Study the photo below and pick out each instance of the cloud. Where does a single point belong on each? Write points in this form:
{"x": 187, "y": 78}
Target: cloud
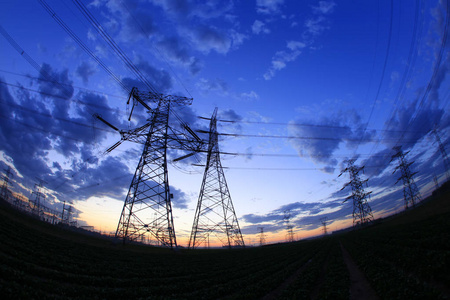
{"x": 85, "y": 70}
{"x": 159, "y": 79}
{"x": 324, "y": 7}
{"x": 321, "y": 139}
{"x": 180, "y": 199}
{"x": 207, "y": 38}
{"x": 411, "y": 123}
{"x": 269, "y": 6}
{"x": 259, "y": 27}
{"x": 138, "y": 23}
{"x": 202, "y": 24}
{"x": 281, "y": 58}
{"x": 216, "y": 85}
{"x": 317, "y": 25}
{"x": 314, "y": 26}
{"x": 111, "y": 178}
{"x": 250, "y": 96}
{"x": 229, "y": 115}
{"x": 176, "y": 52}
{"x": 303, "y": 215}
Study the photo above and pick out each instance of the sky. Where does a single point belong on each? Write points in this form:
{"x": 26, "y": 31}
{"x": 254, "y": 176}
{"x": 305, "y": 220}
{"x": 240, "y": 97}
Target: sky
{"x": 301, "y": 87}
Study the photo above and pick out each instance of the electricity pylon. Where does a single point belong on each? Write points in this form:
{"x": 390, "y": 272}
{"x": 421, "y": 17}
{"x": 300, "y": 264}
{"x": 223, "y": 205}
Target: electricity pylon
{"x": 362, "y": 213}
{"x": 6, "y": 181}
{"x": 410, "y": 191}
{"x": 147, "y": 209}
{"x": 262, "y": 237}
{"x": 324, "y": 221}
{"x": 444, "y": 154}
{"x": 289, "y": 227}
{"x": 215, "y": 215}
{"x": 37, "y": 207}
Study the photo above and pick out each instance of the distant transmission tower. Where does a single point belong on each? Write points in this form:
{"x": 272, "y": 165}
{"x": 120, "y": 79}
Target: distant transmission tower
{"x": 147, "y": 208}
{"x": 215, "y": 213}
{"x": 66, "y": 214}
{"x": 262, "y": 237}
{"x": 6, "y": 181}
{"x": 436, "y": 183}
{"x": 324, "y": 221}
{"x": 39, "y": 195}
{"x": 444, "y": 154}
{"x": 289, "y": 227}
{"x": 362, "y": 213}
{"x": 410, "y": 191}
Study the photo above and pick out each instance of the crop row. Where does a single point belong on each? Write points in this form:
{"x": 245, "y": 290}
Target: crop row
{"x": 325, "y": 276}
{"x": 46, "y": 267}
{"x": 384, "y": 271}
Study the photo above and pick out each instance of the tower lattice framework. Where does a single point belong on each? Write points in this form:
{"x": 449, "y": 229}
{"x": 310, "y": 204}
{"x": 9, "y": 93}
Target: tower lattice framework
{"x": 39, "y": 195}
{"x": 411, "y": 193}
{"x": 147, "y": 210}
{"x": 215, "y": 215}
{"x": 443, "y": 153}
{"x": 362, "y": 213}
{"x": 289, "y": 226}
{"x": 6, "y": 181}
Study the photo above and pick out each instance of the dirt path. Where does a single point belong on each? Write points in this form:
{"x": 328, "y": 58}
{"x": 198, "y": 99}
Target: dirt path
{"x": 277, "y": 292}
{"x": 359, "y": 286}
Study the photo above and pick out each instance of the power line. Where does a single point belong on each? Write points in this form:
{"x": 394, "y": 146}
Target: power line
{"x": 382, "y": 74}
{"x": 63, "y": 84}
{"x": 156, "y": 48}
{"x": 113, "y": 45}
{"x": 58, "y": 96}
{"x": 293, "y": 137}
{"x": 304, "y": 125}
{"x": 81, "y": 44}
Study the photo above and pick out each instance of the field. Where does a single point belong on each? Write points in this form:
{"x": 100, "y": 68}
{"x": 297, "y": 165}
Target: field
{"x": 403, "y": 257}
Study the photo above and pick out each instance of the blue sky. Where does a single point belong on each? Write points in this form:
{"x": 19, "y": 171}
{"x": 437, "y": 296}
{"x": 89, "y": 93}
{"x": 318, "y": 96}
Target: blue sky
{"x": 307, "y": 84}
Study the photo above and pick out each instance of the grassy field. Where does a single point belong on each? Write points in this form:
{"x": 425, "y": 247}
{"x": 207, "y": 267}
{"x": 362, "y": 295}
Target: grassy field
{"x": 403, "y": 257}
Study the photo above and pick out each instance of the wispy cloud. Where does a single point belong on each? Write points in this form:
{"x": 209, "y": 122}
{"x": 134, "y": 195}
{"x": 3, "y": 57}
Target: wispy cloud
{"x": 260, "y": 27}
{"x": 281, "y": 58}
{"x": 313, "y": 27}
{"x": 269, "y": 6}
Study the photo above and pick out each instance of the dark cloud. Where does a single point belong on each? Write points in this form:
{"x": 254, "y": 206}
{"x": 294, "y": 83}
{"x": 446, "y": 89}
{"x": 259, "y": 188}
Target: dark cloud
{"x": 303, "y": 215}
{"x": 295, "y": 209}
{"x": 159, "y": 79}
{"x": 85, "y": 70}
{"x": 177, "y": 52}
{"x": 208, "y": 38}
{"x": 378, "y": 162}
{"x": 58, "y": 85}
{"x": 180, "y": 199}
{"x": 254, "y": 229}
{"x": 410, "y": 124}
{"x": 320, "y": 140}
{"x": 139, "y": 23}
{"x": 229, "y": 115}
{"x": 213, "y": 85}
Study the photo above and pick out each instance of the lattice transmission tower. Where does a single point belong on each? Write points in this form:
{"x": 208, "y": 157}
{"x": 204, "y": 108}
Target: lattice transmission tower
{"x": 324, "y": 222}
{"x": 443, "y": 153}
{"x": 215, "y": 215}
{"x": 39, "y": 198}
{"x": 6, "y": 181}
{"x": 362, "y": 213}
{"x": 147, "y": 211}
{"x": 410, "y": 191}
{"x": 289, "y": 227}
{"x": 262, "y": 236}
